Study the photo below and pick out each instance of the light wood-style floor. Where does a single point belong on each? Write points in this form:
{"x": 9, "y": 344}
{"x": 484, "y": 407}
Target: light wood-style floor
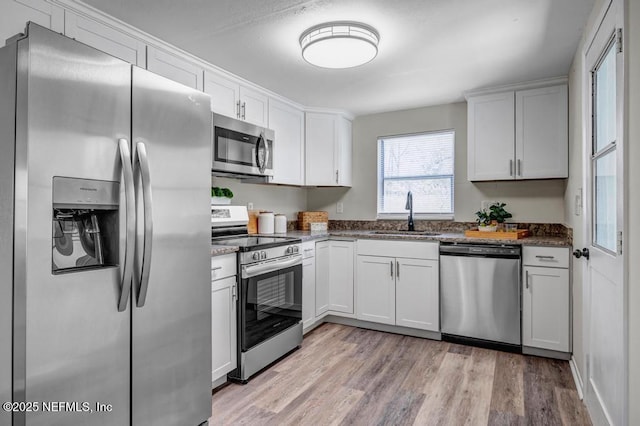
{"x": 352, "y": 376}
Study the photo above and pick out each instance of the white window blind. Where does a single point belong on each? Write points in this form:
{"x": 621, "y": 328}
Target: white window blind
{"x": 420, "y": 163}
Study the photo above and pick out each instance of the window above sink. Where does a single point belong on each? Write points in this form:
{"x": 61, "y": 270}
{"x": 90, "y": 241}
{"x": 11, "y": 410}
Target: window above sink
{"x": 422, "y": 163}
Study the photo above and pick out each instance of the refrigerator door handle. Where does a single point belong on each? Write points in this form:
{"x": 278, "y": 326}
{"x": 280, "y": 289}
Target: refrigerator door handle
{"x": 130, "y": 213}
{"x": 143, "y": 160}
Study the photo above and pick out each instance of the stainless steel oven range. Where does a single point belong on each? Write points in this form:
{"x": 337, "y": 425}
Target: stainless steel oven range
{"x": 270, "y": 293}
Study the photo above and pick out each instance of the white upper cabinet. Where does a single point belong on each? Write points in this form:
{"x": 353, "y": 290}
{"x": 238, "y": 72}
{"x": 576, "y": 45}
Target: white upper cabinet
{"x": 288, "y": 124}
{"x": 328, "y": 150}
{"x": 16, "y": 13}
{"x": 542, "y": 133}
{"x": 105, "y": 38}
{"x": 518, "y": 134}
{"x": 490, "y": 142}
{"x": 174, "y": 68}
{"x": 254, "y": 106}
{"x": 230, "y": 98}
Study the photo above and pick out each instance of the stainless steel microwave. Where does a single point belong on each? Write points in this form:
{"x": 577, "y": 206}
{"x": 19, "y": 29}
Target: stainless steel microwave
{"x": 241, "y": 148}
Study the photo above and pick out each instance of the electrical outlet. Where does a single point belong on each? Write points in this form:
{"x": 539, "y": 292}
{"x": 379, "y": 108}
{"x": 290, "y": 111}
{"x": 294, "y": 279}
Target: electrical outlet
{"x": 249, "y": 206}
{"x": 339, "y": 207}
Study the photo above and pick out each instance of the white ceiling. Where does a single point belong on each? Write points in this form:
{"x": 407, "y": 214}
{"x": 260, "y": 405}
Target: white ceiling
{"x": 430, "y": 51}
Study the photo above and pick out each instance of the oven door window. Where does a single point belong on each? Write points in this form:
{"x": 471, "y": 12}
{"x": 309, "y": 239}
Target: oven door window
{"x": 271, "y": 303}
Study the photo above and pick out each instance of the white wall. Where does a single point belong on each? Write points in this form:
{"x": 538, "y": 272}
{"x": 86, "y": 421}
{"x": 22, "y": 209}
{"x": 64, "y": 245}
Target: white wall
{"x": 279, "y": 199}
{"x": 529, "y": 201}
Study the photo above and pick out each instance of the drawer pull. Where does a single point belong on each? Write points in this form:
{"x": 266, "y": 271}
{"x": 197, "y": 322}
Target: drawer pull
{"x": 545, "y": 257}
{"x": 216, "y": 268}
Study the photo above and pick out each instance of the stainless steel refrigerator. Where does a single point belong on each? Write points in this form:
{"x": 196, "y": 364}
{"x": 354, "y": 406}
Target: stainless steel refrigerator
{"x": 104, "y": 225}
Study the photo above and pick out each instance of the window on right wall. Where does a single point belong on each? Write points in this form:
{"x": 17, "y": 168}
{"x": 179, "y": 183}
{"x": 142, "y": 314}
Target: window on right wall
{"x": 422, "y": 163}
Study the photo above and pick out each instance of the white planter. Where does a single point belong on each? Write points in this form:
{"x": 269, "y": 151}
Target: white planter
{"x": 219, "y": 201}
{"x": 489, "y": 228}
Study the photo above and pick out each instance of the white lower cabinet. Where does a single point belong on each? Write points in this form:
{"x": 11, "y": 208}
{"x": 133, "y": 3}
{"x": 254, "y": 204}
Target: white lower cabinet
{"x": 341, "y": 276}
{"x": 376, "y": 288}
{"x": 418, "y": 294}
{"x": 223, "y": 318}
{"x": 308, "y": 284}
{"x": 334, "y": 277}
{"x": 398, "y": 290}
{"x": 323, "y": 262}
{"x": 545, "y": 299}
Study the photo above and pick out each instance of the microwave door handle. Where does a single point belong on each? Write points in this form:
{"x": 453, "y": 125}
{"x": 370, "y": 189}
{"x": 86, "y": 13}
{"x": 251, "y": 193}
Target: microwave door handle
{"x": 130, "y": 218}
{"x": 261, "y": 146}
{"x": 143, "y": 161}
{"x": 264, "y": 268}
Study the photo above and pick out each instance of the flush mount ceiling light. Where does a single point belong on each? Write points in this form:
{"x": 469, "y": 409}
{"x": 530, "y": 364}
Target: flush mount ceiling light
{"x": 339, "y": 44}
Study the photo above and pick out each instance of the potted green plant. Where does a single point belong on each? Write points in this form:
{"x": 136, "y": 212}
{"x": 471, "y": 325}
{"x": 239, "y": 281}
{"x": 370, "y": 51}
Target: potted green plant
{"x": 484, "y": 221}
{"x": 220, "y": 195}
{"x": 489, "y": 220}
{"x": 499, "y": 214}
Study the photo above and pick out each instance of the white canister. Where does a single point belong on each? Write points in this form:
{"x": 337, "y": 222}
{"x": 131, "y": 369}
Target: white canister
{"x": 280, "y": 224}
{"x": 265, "y": 223}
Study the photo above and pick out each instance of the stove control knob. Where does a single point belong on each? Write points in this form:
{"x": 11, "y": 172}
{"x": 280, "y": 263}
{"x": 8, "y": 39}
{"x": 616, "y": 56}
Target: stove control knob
{"x": 295, "y": 249}
{"x": 288, "y": 250}
{"x": 263, "y": 255}
{"x": 256, "y": 256}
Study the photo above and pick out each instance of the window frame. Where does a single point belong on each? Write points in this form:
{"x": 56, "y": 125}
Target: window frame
{"x": 380, "y": 180}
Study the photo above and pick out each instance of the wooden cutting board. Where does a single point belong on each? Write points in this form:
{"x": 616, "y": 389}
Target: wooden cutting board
{"x": 511, "y": 235}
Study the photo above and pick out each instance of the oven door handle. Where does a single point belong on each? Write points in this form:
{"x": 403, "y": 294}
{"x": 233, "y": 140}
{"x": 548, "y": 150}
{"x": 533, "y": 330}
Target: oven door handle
{"x": 264, "y": 268}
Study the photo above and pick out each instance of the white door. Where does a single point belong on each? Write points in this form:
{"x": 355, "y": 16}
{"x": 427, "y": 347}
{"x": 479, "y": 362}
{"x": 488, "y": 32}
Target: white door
{"x": 605, "y": 312}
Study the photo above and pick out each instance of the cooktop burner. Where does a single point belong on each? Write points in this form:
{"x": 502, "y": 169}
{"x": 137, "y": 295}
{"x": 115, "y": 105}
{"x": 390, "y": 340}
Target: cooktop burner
{"x": 249, "y": 242}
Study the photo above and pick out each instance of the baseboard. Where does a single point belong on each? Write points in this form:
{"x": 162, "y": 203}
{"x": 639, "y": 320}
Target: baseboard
{"x": 576, "y": 377}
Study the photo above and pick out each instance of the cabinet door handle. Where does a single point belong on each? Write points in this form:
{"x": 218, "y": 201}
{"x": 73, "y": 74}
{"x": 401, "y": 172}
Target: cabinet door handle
{"x": 397, "y": 269}
{"x": 337, "y": 176}
{"x": 510, "y": 167}
{"x": 391, "y": 263}
{"x": 526, "y": 278}
{"x": 234, "y": 293}
{"x": 519, "y": 167}
{"x": 238, "y": 109}
{"x": 244, "y": 110}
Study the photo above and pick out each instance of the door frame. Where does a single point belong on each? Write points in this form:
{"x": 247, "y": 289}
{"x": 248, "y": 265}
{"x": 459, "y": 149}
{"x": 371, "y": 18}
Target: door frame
{"x": 595, "y": 410}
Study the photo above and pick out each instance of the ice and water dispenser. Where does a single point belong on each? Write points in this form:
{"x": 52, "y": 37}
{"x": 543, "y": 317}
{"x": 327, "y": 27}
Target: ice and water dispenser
{"x": 85, "y": 224}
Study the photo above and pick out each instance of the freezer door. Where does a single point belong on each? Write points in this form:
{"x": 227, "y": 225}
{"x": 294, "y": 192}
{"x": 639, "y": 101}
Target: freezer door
{"x": 171, "y": 364}
{"x": 480, "y": 298}
{"x": 7, "y": 148}
{"x": 71, "y": 344}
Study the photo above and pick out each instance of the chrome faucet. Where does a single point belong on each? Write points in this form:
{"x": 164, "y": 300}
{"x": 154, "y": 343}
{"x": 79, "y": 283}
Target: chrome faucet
{"x": 409, "y": 207}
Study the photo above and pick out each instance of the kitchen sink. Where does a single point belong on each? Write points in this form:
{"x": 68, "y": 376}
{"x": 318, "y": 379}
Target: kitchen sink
{"x": 392, "y": 232}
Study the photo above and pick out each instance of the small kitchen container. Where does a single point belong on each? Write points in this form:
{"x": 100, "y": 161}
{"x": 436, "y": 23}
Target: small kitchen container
{"x": 266, "y": 223}
{"x": 280, "y": 224}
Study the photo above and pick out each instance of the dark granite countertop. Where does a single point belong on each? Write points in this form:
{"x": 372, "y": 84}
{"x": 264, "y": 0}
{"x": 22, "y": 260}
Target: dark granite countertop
{"x": 453, "y": 237}
{"x": 444, "y": 237}
{"x": 538, "y": 240}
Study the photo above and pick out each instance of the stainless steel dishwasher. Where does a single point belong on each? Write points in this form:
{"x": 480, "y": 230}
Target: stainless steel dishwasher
{"x": 480, "y": 294}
